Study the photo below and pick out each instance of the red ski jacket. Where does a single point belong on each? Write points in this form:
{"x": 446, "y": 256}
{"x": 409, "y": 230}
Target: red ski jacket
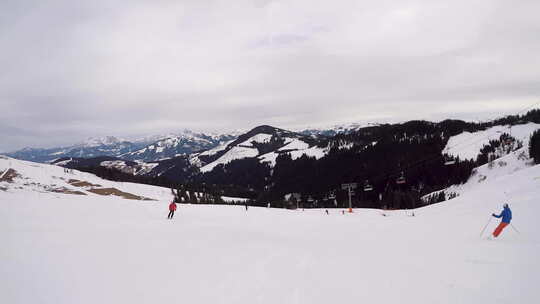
{"x": 172, "y": 207}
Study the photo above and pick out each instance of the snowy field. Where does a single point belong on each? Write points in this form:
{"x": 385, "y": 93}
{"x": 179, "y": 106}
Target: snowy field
{"x": 61, "y": 248}
{"x": 467, "y": 145}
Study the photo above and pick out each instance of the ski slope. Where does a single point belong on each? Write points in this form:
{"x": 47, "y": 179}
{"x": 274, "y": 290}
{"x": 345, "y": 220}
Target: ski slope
{"x": 467, "y": 145}
{"x": 295, "y": 147}
{"x": 60, "y": 248}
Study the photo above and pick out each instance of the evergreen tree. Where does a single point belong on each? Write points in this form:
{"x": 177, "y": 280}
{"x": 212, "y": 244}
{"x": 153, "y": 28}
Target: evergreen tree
{"x": 534, "y": 147}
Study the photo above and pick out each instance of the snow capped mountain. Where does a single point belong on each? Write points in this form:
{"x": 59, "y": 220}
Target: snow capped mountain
{"x": 149, "y": 148}
{"x": 156, "y": 147}
{"x": 101, "y": 141}
{"x": 173, "y": 145}
{"x": 173, "y": 156}
{"x": 265, "y": 143}
{"x": 333, "y": 130}
{"x": 92, "y": 147}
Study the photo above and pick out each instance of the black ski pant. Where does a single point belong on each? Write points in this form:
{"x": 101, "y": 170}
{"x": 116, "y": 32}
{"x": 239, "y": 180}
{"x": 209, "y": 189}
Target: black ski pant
{"x": 171, "y": 214}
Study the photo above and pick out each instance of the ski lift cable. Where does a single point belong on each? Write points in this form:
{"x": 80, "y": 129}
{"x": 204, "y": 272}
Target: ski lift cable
{"x": 487, "y": 135}
{"x": 438, "y": 156}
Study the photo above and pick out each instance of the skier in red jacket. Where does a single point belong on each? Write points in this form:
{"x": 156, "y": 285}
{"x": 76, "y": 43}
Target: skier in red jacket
{"x": 172, "y": 209}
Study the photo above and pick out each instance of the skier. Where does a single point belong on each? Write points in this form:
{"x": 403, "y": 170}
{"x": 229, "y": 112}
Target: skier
{"x": 172, "y": 209}
{"x": 506, "y": 215}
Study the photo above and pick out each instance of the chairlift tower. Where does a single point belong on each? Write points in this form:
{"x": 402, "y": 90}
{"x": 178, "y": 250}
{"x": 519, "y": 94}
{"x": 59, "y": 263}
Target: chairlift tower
{"x": 349, "y": 187}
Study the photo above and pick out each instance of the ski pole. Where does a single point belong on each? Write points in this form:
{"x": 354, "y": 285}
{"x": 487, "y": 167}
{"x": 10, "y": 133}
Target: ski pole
{"x": 485, "y": 226}
{"x": 515, "y": 228}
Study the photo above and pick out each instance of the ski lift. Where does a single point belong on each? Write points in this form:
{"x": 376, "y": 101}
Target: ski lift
{"x": 367, "y": 186}
{"x": 401, "y": 179}
{"x": 310, "y": 199}
{"x": 448, "y": 161}
{"x": 332, "y": 195}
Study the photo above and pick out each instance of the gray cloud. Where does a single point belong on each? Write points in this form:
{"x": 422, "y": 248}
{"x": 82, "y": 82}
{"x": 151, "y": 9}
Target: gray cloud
{"x": 72, "y": 69}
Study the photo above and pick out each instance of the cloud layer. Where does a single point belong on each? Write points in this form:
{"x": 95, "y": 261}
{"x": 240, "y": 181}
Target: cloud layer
{"x": 72, "y": 69}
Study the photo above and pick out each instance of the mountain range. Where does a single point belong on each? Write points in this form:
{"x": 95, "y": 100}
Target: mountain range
{"x": 151, "y": 148}
{"x": 157, "y": 147}
{"x": 398, "y": 162}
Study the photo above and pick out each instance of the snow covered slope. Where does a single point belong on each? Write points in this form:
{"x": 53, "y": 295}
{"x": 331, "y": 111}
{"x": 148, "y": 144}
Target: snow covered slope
{"x": 170, "y": 146}
{"x": 264, "y": 143}
{"x": 467, "y": 145}
{"x": 92, "y": 147}
{"x": 23, "y": 176}
{"x": 149, "y": 148}
{"x": 104, "y": 249}
{"x": 502, "y": 167}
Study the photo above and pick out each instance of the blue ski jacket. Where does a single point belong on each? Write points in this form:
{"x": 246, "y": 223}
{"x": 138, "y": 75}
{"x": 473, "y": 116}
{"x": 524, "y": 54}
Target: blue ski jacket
{"x": 506, "y": 215}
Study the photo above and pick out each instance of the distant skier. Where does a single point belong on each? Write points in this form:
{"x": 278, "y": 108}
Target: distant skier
{"x": 172, "y": 209}
{"x": 506, "y": 215}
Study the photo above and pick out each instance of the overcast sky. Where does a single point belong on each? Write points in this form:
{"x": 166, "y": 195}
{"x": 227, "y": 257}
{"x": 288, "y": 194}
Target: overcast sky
{"x": 73, "y": 69}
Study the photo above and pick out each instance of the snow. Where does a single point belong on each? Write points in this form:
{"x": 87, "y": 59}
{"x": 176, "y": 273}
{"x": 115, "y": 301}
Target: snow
{"x": 337, "y": 128}
{"x": 146, "y": 167}
{"x": 58, "y": 153}
{"x": 467, "y": 145}
{"x": 295, "y": 147}
{"x": 242, "y": 150}
{"x": 140, "y": 168}
{"x": 113, "y": 163}
{"x": 269, "y": 158}
{"x": 237, "y": 152}
{"x": 64, "y": 162}
{"x": 101, "y": 141}
{"x": 300, "y": 148}
{"x": 295, "y": 144}
{"x": 259, "y": 138}
{"x": 229, "y": 199}
{"x": 59, "y": 248}
{"x": 36, "y": 177}
{"x": 311, "y": 152}
{"x": 222, "y": 146}
{"x": 195, "y": 161}
{"x": 502, "y": 167}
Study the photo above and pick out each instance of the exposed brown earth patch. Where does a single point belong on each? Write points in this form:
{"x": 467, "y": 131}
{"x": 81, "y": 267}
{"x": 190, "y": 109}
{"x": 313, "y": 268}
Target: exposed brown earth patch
{"x": 114, "y": 191}
{"x": 67, "y": 191}
{"x": 8, "y": 175}
{"x": 79, "y": 183}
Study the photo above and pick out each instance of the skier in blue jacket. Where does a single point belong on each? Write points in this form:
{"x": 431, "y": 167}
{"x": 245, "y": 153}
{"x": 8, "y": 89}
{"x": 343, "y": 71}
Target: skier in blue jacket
{"x": 506, "y": 215}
